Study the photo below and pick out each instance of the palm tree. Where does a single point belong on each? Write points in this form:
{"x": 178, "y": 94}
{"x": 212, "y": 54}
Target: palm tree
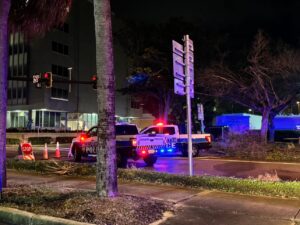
{"x": 32, "y": 18}
{"x": 106, "y": 178}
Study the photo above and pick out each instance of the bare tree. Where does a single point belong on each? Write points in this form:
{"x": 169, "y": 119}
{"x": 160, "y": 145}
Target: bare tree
{"x": 266, "y": 83}
{"x": 106, "y": 178}
{"x": 32, "y": 18}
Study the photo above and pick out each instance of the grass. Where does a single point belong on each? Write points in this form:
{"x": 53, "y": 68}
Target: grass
{"x": 244, "y": 186}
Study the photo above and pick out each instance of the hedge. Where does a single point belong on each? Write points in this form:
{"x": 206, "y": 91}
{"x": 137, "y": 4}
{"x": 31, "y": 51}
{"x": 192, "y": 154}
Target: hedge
{"x": 244, "y": 186}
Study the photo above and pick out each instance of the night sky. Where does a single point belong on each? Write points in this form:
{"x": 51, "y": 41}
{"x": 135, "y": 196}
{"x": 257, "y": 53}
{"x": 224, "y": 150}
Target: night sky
{"x": 280, "y": 19}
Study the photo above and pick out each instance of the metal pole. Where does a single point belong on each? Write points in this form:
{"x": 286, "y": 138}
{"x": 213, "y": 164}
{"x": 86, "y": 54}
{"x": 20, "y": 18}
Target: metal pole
{"x": 188, "y": 103}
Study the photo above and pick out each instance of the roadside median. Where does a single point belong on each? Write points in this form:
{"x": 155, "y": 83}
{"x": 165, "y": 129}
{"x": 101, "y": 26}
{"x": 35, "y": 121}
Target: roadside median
{"x": 15, "y": 217}
{"x": 227, "y": 184}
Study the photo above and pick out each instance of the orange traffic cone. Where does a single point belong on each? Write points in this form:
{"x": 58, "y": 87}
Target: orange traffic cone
{"x": 45, "y": 153}
{"x": 57, "y": 151}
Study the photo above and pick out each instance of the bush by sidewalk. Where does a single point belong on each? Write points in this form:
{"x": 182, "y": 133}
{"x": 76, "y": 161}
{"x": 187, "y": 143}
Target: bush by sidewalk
{"x": 245, "y": 186}
{"x": 248, "y": 146}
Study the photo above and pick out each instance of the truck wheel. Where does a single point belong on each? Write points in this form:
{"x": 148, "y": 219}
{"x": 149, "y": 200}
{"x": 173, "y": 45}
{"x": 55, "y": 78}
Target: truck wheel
{"x": 150, "y": 160}
{"x": 195, "y": 151}
{"x": 121, "y": 160}
{"x": 77, "y": 154}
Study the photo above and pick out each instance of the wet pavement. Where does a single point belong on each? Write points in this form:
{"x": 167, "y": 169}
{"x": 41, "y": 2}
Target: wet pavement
{"x": 204, "y": 165}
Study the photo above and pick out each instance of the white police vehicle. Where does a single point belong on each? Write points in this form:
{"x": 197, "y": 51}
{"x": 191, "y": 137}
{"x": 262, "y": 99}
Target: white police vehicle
{"x": 166, "y": 139}
{"x": 85, "y": 145}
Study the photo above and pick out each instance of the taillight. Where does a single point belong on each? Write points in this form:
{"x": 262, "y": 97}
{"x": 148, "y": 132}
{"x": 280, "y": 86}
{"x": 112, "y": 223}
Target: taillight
{"x": 133, "y": 142}
{"x": 208, "y": 139}
{"x": 82, "y": 138}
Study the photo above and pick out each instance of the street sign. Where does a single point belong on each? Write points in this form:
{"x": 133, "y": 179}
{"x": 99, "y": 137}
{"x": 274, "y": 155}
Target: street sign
{"x": 36, "y": 79}
{"x": 27, "y": 151}
{"x": 178, "y": 68}
{"x": 179, "y": 87}
{"x": 200, "y": 112}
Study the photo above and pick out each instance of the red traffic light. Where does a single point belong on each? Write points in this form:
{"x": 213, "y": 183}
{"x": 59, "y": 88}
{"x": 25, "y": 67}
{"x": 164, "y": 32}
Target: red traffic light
{"x": 46, "y": 75}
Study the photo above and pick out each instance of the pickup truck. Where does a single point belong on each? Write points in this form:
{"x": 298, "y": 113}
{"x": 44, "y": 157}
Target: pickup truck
{"x": 85, "y": 145}
{"x": 166, "y": 139}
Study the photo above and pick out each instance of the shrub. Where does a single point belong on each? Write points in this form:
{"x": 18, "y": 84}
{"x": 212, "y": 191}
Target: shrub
{"x": 40, "y": 140}
{"x": 249, "y": 146}
{"x": 63, "y": 140}
{"x": 12, "y": 141}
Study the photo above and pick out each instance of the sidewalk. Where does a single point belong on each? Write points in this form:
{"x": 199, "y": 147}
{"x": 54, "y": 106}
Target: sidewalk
{"x": 193, "y": 206}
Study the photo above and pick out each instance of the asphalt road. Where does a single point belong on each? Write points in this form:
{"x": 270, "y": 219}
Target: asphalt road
{"x": 202, "y": 165}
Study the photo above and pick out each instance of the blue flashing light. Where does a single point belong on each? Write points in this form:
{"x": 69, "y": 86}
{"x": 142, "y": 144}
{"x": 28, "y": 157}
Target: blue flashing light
{"x": 170, "y": 150}
{"x": 162, "y": 150}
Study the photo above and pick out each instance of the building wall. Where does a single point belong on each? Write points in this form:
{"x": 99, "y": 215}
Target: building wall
{"x": 48, "y": 54}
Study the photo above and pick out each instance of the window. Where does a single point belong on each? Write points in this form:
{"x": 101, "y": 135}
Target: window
{"x": 60, "y": 70}
{"x": 135, "y": 104}
{"x": 59, "y": 93}
{"x": 92, "y": 132}
{"x": 126, "y": 130}
{"x": 169, "y": 130}
{"x": 160, "y": 130}
{"x": 153, "y": 130}
{"x": 60, "y": 48}
{"x": 64, "y": 28}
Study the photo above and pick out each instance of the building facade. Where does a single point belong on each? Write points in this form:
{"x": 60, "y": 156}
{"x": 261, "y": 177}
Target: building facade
{"x": 69, "y": 53}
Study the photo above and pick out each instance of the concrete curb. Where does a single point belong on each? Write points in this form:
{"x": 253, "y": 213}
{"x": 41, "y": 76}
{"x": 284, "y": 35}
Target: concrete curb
{"x": 16, "y": 217}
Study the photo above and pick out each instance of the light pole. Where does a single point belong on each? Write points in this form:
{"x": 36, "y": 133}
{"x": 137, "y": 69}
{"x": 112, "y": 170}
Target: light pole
{"x": 298, "y": 106}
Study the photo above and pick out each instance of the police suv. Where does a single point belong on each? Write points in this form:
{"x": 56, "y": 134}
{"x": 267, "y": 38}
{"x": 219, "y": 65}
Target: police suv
{"x": 85, "y": 145}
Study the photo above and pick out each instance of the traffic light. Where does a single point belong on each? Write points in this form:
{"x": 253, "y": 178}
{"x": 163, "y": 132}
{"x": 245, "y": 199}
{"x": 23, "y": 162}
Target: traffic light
{"x": 48, "y": 79}
{"x": 94, "y": 81}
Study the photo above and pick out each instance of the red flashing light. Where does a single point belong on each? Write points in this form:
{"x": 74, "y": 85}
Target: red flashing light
{"x": 46, "y": 75}
{"x": 94, "y": 78}
{"x": 160, "y": 124}
{"x": 82, "y": 138}
{"x": 208, "y": 139}
{"x": 144, "y": 152}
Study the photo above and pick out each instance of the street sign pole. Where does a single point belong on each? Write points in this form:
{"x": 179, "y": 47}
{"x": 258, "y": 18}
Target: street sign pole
{"x": 188, "y": 102}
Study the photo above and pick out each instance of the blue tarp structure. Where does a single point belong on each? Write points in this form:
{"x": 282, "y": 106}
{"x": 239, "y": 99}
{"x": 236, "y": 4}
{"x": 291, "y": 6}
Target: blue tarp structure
{"x": 239, "y": 122}
{"x": 242, "y": 122}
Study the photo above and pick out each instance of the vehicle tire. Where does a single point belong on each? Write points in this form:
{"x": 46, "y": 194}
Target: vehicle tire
{"x": 121, "y": 160}
{"x": 195, "y": 151}
{"x": 77, "y": 154}
{"x": 150, "y": 160}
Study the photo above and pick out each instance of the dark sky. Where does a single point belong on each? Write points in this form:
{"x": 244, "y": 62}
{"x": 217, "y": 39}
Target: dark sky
{"x": 279, "y": 18}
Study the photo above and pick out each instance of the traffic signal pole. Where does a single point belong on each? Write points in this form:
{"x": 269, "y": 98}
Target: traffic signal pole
{"x": 188, "y": 103}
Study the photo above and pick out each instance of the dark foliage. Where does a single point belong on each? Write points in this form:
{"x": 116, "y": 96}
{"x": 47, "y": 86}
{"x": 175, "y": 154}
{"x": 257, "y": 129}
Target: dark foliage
{"x": 35, "y": 17}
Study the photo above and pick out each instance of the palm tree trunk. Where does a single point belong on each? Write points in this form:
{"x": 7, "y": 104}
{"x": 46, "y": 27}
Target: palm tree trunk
{"x": 4, "y": 11}
{"x": 106, "y": 177}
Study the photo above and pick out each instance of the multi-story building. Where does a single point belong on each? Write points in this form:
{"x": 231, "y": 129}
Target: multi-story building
{"x": 68, "y": 51}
